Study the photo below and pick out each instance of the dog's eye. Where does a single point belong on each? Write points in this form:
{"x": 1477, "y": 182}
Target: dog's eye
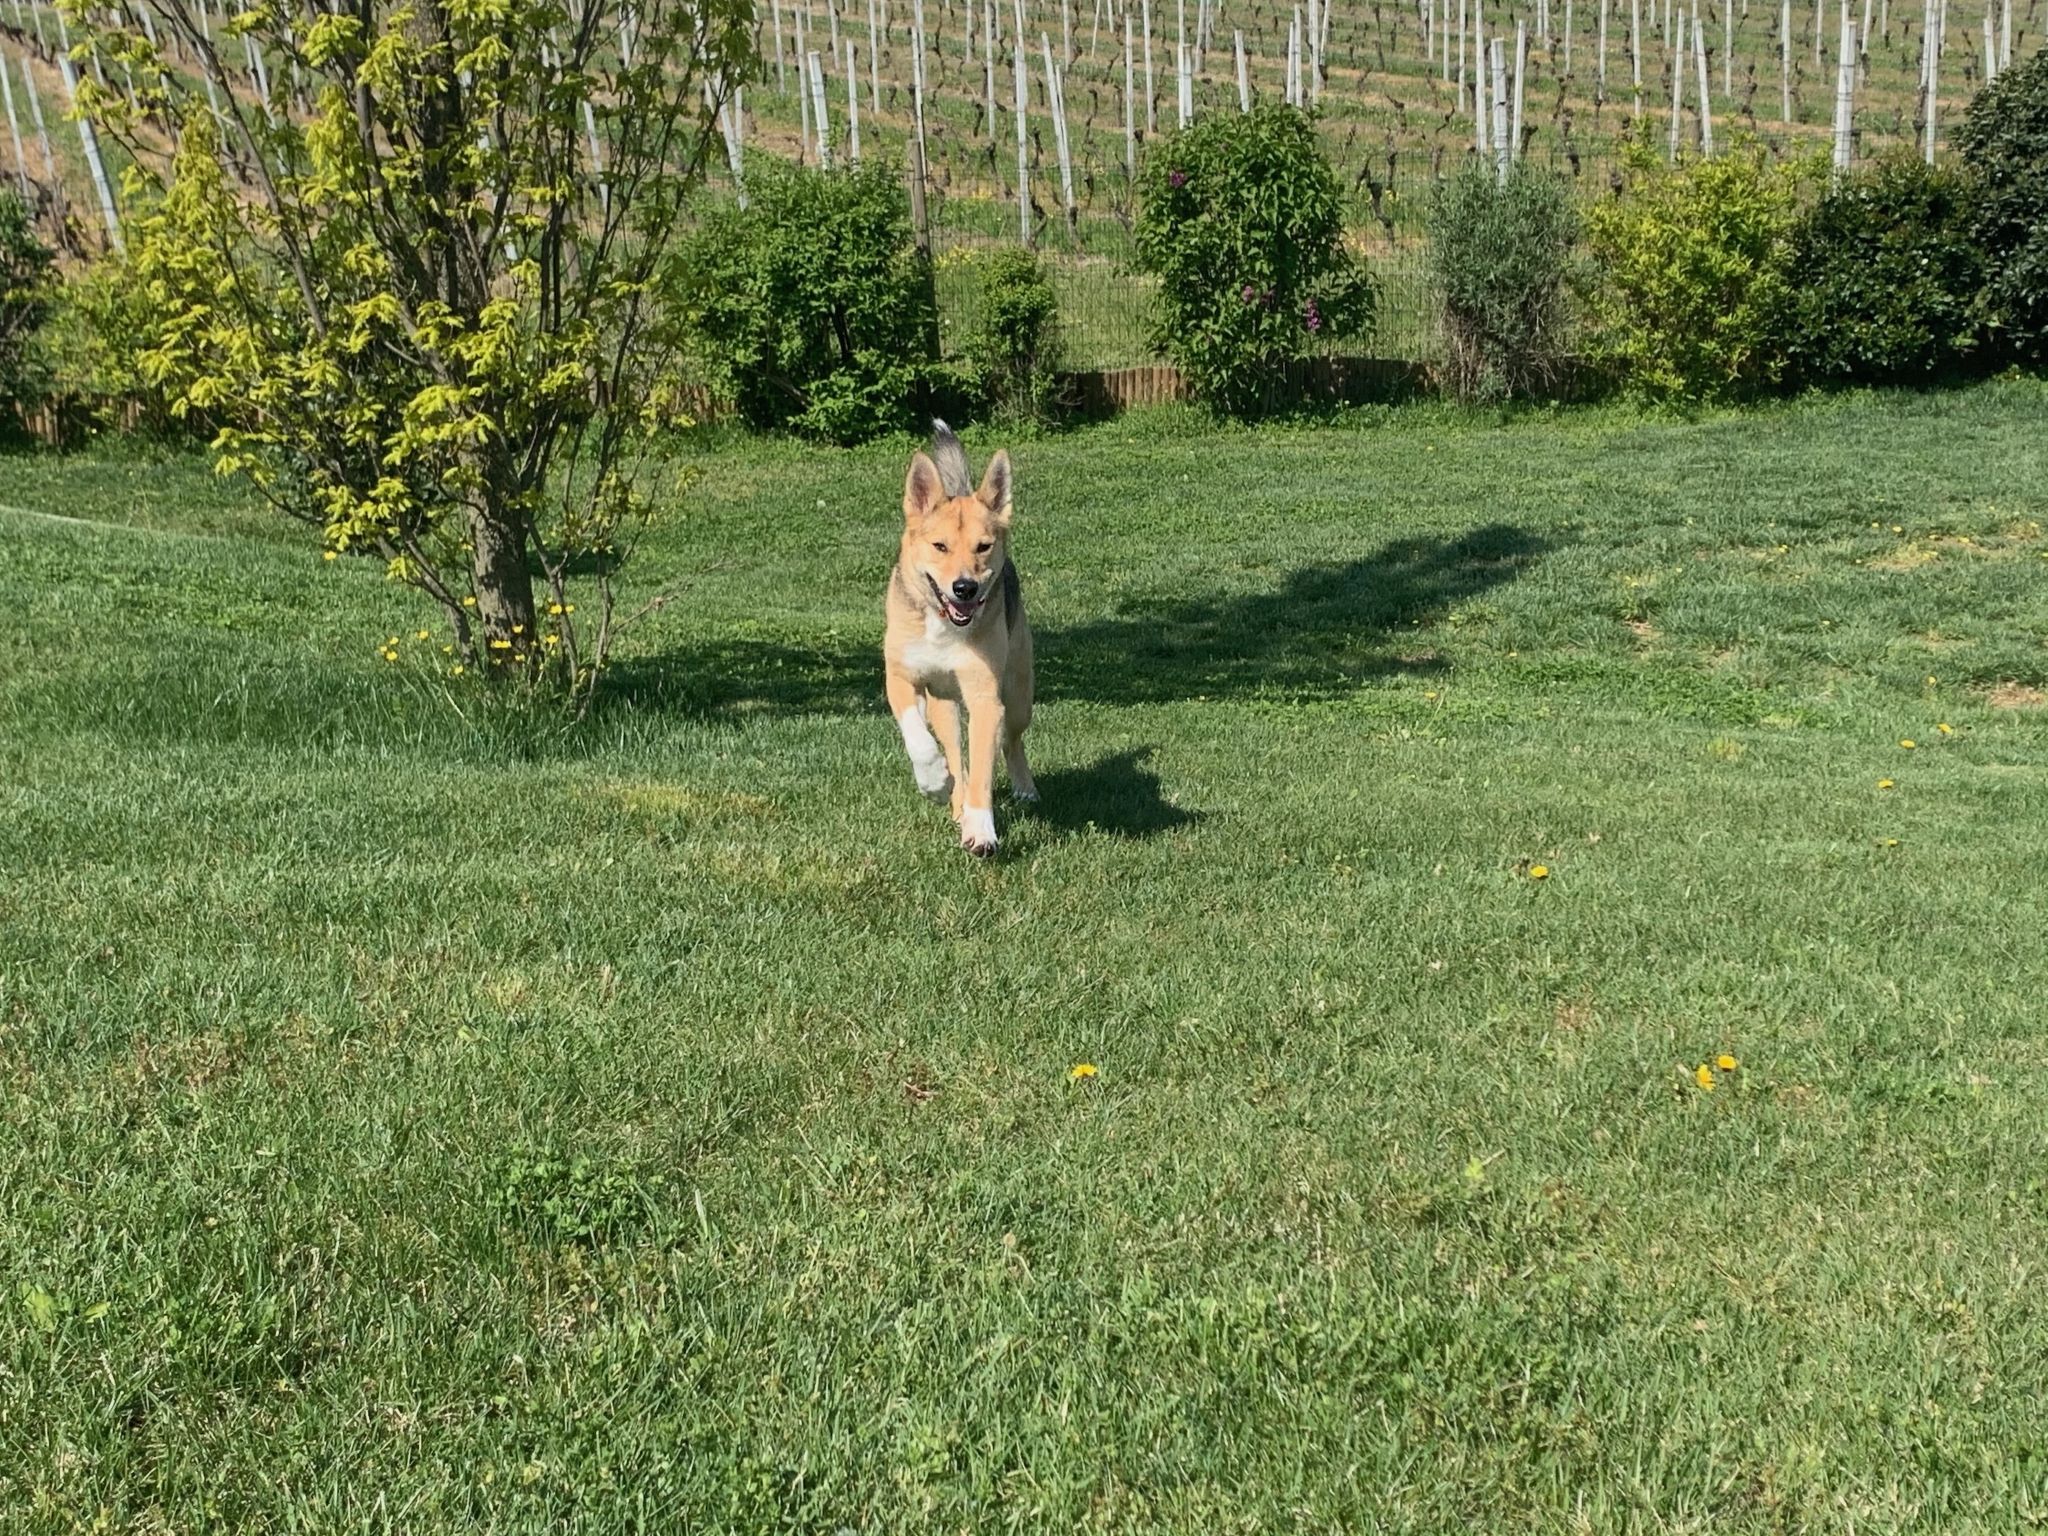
{"x": 939, "y": 547}
{"x": 984, "y": 546}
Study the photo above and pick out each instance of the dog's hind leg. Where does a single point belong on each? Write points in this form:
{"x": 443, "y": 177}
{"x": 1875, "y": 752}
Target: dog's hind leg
{"x": 1017, "y": 690}
{"x": 934, "y": 773}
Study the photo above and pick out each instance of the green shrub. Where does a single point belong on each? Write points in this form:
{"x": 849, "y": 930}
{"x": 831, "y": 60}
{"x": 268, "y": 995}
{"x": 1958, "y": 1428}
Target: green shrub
{"x": 1690, "y": 287}
{"x": 27, "y": 280}
{"x": 1241, "y": 220}
{"x": 814, "y": 303}
{"x": 2004, "y": 140}
{"x": 1884, "y": 277}
{"x": 1500, "y": 258}
{"x": 1015, "y": 349}
{"x": 102, "y": 325}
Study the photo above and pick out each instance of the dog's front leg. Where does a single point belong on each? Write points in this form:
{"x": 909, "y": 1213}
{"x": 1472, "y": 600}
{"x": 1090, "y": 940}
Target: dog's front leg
{"x": 984, "y": 702}
{"x": 927, "y": 764}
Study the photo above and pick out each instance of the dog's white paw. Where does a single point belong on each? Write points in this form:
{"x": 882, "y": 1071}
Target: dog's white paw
{"x": 933, "y": 781}
{"x": 978, "y": 831}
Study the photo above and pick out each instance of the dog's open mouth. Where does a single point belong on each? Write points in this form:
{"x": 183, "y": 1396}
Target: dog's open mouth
{"x": 958, "y": 614}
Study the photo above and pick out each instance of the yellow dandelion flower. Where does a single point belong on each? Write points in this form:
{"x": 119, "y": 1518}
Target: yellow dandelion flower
{"x": 329, "y": 555}
{"x": 501, "y": 645}
{"x": 1908, "y": 743}
{"x": 550, "y": 639}
{"x": 1946, "y": 729}
{"x": 426, "y": 634}
{"x": 1884, "y": 784}
{"x": 1539, "y": 871}
{"x": 469, "y": 602}
{"x": 1081, "y": 1069}
{"x": 447, "y": 650}
{"x": 568, "y": 608}
{"x": 1704, "y": 1076}
{"x": 518, "y": 629}
{"x": 554, "y": 608}
{"x": 391, "y": 655}
{"x": 1891, "y": 842}
{"x": 1726, "y": 1063}
{"x": 392, "y": 641}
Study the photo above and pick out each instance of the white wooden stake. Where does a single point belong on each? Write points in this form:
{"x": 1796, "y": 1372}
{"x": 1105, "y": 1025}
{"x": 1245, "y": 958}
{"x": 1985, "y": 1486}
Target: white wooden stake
{"x": 1635, "y": 44}
{"x": 1521, "y": 69}
{"x": 1023, "y": 143}
{"x": 1567, "y": 38}
{"x": 1315, "y": 54}
{"x": 1728, "y": 46}
{"x": 823, "y": 125}
{"x": 1056, "y": 100}
{"x": 1151, "y": 94}
{"x": 874, "y": 65}
{"x": 1496, "y": 69}
{"x": 1130, "y": 105}
{"x": 1699, "y": 54}
{"x": 852, "y": 104}
{"x": 1244, "y": 84}
{"x": 1845, "y": 95}
{"x": 1785, "y": 62}
{"x": 1990, "y": 52}
{"x": 917, "y": 79}
{"x": 1480, "y": 103}
{"x": 1677, "y": 88}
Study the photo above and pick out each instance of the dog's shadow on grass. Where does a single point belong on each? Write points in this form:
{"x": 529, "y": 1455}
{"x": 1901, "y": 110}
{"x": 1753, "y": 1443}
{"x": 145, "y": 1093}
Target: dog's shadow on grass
{"x": 1117, "y": 794}
{"x": 1321, "y": 633}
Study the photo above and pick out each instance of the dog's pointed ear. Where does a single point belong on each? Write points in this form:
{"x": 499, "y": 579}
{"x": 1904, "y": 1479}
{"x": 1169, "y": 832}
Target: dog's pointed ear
{"x": 922, "y": 488}
{"x": 951, "y": 459}
{"x": 995, "y": 486}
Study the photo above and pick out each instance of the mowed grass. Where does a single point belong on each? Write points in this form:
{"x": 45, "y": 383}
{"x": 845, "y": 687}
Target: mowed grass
{"x": 420, "y": 1118}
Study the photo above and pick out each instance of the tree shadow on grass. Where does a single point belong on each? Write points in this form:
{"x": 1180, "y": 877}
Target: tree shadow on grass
{"x": 1116, "y": 794}
{"x": 1323, "y": 632}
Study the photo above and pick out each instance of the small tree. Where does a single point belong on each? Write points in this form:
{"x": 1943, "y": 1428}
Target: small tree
{"x": 2004, "y": 140}
{"x": 815, "y": 302}
{"x": 1690, "y": 293}
{"x": 1015, "y": 346}
{"x": 1500, "y": 256}
{"x": 1885, "y": 277}
{"x": 414, "y": 282}
{"x": 27, "y": 273}
{"x": 1242, "y": 221}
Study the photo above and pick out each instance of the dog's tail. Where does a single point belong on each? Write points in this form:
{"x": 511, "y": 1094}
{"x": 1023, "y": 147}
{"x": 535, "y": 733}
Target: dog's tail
{"x": 951, "y": 460}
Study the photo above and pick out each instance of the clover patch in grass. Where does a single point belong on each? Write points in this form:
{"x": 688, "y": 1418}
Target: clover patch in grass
{"x": 564, "y": 1199}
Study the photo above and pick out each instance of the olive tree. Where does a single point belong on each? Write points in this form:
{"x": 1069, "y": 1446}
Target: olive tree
{"x": 402, "y": 255}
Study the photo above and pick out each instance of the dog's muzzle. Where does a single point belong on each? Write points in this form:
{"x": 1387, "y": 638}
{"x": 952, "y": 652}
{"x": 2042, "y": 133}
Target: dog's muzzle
{"x": 959, "y": 611}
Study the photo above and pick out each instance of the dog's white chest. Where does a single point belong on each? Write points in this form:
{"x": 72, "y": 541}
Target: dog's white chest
{"x": 933, "y": 660}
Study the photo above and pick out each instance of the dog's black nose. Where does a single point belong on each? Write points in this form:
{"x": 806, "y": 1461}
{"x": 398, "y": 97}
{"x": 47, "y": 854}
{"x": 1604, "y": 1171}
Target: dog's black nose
{"x": 965, "y": 588}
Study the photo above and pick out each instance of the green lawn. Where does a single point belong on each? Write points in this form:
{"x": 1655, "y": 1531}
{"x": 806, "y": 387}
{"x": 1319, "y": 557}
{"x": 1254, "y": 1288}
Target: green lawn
{"x": 421, "y": 1119}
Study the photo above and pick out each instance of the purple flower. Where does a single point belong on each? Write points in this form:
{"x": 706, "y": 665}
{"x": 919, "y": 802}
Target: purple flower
{"x": 1176, "y": 179}
{"x": 1312, "y": 317}
{"x": 1249, "y": 293}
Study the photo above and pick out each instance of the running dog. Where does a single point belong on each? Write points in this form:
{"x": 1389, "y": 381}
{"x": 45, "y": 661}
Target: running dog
{"x": 957, "y": 637}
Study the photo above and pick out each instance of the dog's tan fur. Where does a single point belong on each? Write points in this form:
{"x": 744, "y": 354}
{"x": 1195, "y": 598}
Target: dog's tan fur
{"x": 935, "y": 666}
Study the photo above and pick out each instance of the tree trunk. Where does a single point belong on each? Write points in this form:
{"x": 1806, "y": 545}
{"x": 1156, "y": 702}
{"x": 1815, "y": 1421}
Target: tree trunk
{"x": 508, "y": 635}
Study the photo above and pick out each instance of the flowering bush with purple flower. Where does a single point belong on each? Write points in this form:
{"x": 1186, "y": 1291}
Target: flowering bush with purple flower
{"x": 1241, "y": 220}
